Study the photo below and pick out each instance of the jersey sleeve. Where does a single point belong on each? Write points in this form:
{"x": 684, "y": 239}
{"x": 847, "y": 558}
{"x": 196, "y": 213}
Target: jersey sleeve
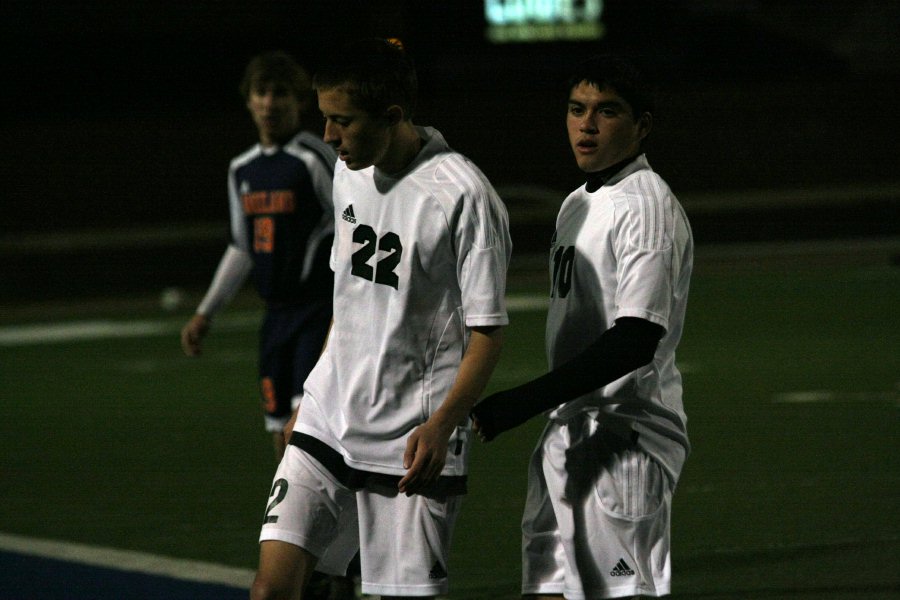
{"x": 645, "y": 247}
{"x": 483, "y": 249}
{"x": 234, "y": 267}
{"x": 236, "y": 213}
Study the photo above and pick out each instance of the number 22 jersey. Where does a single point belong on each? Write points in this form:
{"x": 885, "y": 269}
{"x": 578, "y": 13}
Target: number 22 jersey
{"x": 419, "y": 257}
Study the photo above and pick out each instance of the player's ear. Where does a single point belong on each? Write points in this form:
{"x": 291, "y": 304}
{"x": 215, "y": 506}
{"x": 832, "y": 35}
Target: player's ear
{"x": 645, "y": 124}
{"x": 394, "y": 114}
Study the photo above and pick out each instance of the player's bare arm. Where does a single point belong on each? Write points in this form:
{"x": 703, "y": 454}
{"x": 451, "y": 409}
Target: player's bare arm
{"x": 426, "y": 448}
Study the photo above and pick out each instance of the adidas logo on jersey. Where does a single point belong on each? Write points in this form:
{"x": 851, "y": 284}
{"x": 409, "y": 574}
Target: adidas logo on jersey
{"x": 348, "y": 215}
{"x": 437, "y": 571}
{"x": 621, "y": 569}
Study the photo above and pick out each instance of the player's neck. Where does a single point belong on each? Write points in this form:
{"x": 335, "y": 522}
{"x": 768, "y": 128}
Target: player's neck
{"x": 404, "y": 148}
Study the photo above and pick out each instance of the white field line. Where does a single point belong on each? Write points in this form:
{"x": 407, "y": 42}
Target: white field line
{"x": 823, "y": 396}
{"x": 527, "y": 302}
{"x": 53, "y": 333}
{"x": 737, "y": 551}
{"x": 126, "y": 560}
{"x": 76, "y": 331}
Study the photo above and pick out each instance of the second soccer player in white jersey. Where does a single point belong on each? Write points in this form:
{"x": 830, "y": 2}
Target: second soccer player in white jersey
{"x": 377, "y": 455}
{"x": 600, "y": 484}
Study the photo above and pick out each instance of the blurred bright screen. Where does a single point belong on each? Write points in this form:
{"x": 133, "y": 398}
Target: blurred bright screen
{"x": 543, "y": 20}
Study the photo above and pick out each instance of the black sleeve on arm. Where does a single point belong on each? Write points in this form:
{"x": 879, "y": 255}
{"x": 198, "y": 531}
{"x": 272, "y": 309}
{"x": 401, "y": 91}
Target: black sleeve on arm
{"x": 624, "y": 347}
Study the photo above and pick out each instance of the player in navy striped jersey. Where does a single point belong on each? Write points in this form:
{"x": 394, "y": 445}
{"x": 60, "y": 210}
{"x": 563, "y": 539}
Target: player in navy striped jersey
{"x": 600, "y": 483}
{"x": 282, "y": 227}
{"x": 377, "y": 459}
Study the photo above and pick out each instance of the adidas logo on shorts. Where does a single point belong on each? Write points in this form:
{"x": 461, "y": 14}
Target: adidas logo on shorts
{"x": 621, "y": 569}
{"x": 348, "y": 215}
{"x": 437, "y": 571}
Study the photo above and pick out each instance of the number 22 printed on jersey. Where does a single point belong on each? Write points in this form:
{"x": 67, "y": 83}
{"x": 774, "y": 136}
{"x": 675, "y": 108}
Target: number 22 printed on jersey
{"x": 383, "y": 272}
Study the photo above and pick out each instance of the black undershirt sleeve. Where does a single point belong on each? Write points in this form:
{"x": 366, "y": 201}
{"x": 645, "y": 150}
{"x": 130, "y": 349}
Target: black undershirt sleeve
{"x": 624, "y": 347}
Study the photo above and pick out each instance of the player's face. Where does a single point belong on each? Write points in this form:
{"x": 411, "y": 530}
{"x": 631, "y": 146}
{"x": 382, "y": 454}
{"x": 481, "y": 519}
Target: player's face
{"x": 361, "y": 139}
{"x": 602, "y": 127}
{"x": 275, "y": 112}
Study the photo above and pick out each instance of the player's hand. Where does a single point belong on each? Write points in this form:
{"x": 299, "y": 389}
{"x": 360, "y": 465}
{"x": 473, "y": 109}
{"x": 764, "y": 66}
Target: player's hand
{"x": 192, "y": 334}
{"x": 495, "y": 414}
{"x": 426, "y": 453}
{"x": 483, "y": 419}
{"x": 481, "y": 431}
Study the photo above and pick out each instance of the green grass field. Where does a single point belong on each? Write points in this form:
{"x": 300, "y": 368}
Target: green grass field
{"x": 792, "y": 389}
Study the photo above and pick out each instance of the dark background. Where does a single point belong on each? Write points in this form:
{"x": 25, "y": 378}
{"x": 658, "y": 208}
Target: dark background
{"x": 124, "y": 115}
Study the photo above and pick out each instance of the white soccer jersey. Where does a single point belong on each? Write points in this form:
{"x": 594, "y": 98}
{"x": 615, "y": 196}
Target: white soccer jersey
{"x": 418, "y": 257}
{"x": 625, "y": 250}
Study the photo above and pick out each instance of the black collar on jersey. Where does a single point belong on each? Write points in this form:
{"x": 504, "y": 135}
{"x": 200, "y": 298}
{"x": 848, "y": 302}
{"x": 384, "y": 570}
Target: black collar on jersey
{"x": 598, "y": 179}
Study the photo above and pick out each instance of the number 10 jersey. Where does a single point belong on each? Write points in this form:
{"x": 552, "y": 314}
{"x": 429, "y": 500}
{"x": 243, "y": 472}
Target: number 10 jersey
{"x": 624, "y": 250}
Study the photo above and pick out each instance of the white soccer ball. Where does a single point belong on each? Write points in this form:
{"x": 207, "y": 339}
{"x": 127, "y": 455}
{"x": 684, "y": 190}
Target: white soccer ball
{"x": 171, "y": 299}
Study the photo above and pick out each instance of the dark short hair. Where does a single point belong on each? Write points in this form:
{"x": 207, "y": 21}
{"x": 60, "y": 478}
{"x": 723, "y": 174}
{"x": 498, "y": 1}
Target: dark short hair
{"x": 275, "y": 67}
{"x": 618, "y": 74}
{"x": 378, "y": 73}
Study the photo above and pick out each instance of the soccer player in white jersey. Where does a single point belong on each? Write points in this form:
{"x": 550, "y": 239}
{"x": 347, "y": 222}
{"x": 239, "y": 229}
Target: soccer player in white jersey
{"x": 601, "y": 479}
{"x": 377, "y": 454}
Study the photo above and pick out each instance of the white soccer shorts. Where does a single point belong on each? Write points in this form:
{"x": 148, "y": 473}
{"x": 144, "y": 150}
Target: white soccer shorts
{"x": 597, "y": 514}
{"x": 404, "y": 542}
